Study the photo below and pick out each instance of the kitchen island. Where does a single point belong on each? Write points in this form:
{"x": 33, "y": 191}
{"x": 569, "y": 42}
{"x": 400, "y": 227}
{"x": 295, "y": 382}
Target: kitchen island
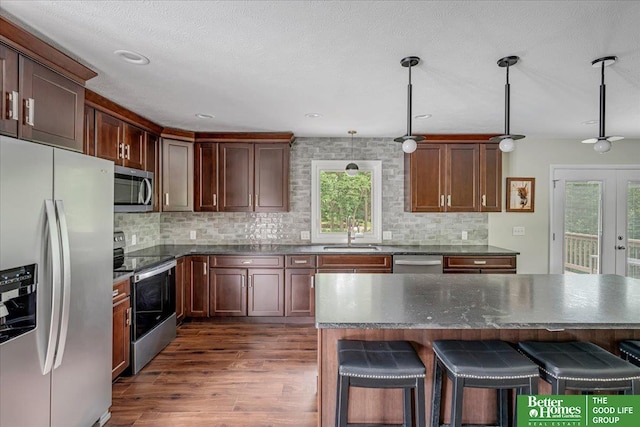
{"x": 602, "y": 309}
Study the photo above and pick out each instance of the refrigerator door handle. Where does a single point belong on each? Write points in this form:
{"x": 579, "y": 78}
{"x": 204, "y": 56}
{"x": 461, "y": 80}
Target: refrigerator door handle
{"x": 66, "y": 282}
{"x": 56, "y": 277}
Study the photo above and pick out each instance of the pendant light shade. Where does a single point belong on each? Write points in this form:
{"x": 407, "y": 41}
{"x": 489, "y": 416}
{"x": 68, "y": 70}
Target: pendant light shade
{"x": 507, "y": 144}
{"x": 352, "y": 169}
{"x": 602, "y": 143}
{"x": 408, "y": 141}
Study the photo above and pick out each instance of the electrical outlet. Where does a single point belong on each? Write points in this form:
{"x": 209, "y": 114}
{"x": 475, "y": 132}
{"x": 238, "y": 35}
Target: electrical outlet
{"x": 192, "y": 234}
{"x": 518, "y": 231}
{"x": 387, "y": 235}
{"x": 305, "y": 235}
{"x": 465, "y": 235}
{"x": 134, "y": 240}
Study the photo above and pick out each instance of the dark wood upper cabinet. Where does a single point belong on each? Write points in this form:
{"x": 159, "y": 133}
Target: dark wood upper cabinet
{"x": 109, "y": 137}
{"x": 134, "y": 146}
{"x": 206, "y": 177}
{"x": 454, "y": 175}
{"x": 89, "y": 131}
{"x": 52, "y": 107}
{"x": 152, "y": 164}
{"x": 10, "y": 101}
{"x": 271, "y": 178}
{"x": 236, "y": 177}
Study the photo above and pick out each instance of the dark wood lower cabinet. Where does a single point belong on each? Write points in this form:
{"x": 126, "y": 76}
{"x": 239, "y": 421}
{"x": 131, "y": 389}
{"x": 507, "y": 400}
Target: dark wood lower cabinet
{"x": 197, "y": 286}
{"x": 494, "y": 264}
{"x": 228, "y": 292}
{"x": 265, "y": 292}
{"x": 121, "y": 329}
{"x": 299, "y": 292}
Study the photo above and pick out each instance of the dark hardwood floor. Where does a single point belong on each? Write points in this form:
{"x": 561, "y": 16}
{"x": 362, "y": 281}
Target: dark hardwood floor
{"x": 225, "y": 374}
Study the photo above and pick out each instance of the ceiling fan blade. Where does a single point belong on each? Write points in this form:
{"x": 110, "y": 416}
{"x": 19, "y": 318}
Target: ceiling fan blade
{"x": 614, "y": 138}
{"x": 590, "y": 141}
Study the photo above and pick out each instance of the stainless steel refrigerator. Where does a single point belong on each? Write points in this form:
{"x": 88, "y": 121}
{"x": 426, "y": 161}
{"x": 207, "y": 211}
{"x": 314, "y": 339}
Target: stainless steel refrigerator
{"x": 56, "y": 214}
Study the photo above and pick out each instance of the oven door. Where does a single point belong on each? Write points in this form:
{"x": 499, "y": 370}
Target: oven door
{"x": 132, "y": 190}
{"x": 153, "y": 298}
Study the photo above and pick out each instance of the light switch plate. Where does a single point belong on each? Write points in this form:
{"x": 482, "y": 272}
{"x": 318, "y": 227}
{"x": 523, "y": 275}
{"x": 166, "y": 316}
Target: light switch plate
{"x": 134, "y": 240}
{"x": 465, "y": 235}
{"x": 192, "y": 234}
{"x": 518, "y": 231}
{"x": 305, "y": 235}
{"x": 387, "y": 235}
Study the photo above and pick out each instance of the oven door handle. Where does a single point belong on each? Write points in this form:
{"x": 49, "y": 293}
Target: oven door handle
{"x": 56, "y": 288}
{"x": 154, "y": 271}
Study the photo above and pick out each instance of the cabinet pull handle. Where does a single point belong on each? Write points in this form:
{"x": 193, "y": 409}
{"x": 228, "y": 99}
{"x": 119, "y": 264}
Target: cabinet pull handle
{"x": 257, "y": 204}
{"x": 205, "y": 268}
{"x": 476, "y": 262}
{"x": 249, "y": 281}
{"x": 128, "y": 318}
{"x": 484, "y": 200}
{"x": 449, "y": 200}
{"x": 215, "y": 200}
{"x": 313, "y": 282}
{"x": 250, "y": 200}
{"x": 246, "y": 262}
{"x": 127, "y": 151}
{"x": 442, "y": 200}
{"x": 30, "y": 106}
{"x": 166, "y": 199}
{"x": 121, "y": 151}
{"x": 242, "y": 281}
{"x": 299, "y": 261}
{"x": 12, "y": 105}
{"x": 115, "y": 293}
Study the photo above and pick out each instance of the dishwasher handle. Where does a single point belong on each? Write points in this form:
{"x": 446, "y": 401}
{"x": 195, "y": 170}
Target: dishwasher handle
{"x": 425, "y": 262}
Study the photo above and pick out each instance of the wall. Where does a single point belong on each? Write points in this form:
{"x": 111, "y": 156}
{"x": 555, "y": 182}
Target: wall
{"x": 146, "y": 227}
{"x": 285, "y": 228}
{"x": 534, "y": 158}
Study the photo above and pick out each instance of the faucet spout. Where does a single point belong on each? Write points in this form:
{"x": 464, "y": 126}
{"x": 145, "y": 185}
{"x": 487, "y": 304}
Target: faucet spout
{"x": 349, "y": 226}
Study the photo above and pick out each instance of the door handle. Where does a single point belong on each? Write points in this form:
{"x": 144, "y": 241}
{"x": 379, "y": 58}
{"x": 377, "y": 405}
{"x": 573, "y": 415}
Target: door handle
{"x": 476, "y": 262}
{"x": 56, "y": 279}
{"x": 166, "y": 199}
{"x": 621, "y": 248}
{"x": 205, "y": 269}
{"x": 257, "y": 204}
{"x": 242, "y": 281}
{"x": 250, "y": 281}
{"x": 121, "y": 151}
{"x": 13, "y": 105}
{"x": 250, "y": 200}
{"x": 442, "y": 200}
{"x": 66, "y": 282}
{"x": 449, "y": 200}
{"x": 30, "y": 107}
{"x": 128, "y": 317}
{"x": 313, "y": 282}
{"x": 484, "y": 200}
{"x": 127, "y": 151}
{"x": 215, "y": 200}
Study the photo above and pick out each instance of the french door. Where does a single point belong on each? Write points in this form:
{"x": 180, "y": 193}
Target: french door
{"x": 595, "y": 221}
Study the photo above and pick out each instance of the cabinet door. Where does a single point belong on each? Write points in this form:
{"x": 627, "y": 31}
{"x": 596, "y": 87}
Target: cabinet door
{"x": 206, "y": 177}
{"x": 10, "y": 101}
{"x": 52, "y": 107}
{"x": 197, "y": 287}
{"x": 180, "y": 285}
{"x": 228, "y": 292}
{"x": 134, "y": 145}
{"x": 424, "y": 177}
{"x": 89, "y": 131}
{"x": 299, "y": 292}
{"x": 271, "y": 178}
{"x": 490, "y": 178}
{"x": 266, "y": 292}
{"x": 177, "y": 176}
{"x": 109, "y": 137}
{"x": 462, "y": 178}
{"x": 152, "y": 164}
{"x": 236, "y": 177}
{"x": 121, "y": 336}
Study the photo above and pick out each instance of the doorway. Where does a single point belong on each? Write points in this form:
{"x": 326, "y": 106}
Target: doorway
{"x": 595, "y": 220}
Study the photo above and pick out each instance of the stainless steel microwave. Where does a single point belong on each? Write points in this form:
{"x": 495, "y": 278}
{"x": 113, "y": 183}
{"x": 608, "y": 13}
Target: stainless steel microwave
{"x": 133, "y": 190}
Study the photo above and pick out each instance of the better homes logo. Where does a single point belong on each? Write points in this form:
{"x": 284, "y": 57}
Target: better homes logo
{"x": 553, "y": 411}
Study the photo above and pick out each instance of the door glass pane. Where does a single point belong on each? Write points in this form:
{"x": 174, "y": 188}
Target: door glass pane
{"x": 582, "y": 227}
{"x": 633, "y": 229}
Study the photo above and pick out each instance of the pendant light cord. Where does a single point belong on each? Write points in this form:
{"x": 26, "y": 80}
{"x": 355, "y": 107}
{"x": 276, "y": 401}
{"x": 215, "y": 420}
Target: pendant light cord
{"x": 507, "y": 103}
{"x": 409, "y": 90}
{"x": 602, "y": 100}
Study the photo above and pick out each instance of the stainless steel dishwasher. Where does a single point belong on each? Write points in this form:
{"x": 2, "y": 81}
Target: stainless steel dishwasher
{"x": 418, "y": 264}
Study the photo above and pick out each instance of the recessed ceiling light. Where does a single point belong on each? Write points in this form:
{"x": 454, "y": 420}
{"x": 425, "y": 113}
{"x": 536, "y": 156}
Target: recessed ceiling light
{"x": 204, "y": 116}
{"x": 132, "y": 57}
{"x": 313, "y": 115}
{"x": 590, "y": 122}
{"x": 422, "y": 116}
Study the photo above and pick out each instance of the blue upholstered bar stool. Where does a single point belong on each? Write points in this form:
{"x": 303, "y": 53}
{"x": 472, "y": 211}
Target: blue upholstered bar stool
{"x": 380, "y": 364}
{"x": 630, "y": 351}
{"x": 581, "y": 366}
{"x": 480, "y": 364}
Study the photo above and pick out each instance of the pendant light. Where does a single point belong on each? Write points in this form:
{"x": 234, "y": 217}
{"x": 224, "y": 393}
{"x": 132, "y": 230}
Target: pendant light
{"x": 352, "y": 168}
{"x": 602, "y": 143}
{"x": 506, "y": 141}
{"x": 409, "y": 141}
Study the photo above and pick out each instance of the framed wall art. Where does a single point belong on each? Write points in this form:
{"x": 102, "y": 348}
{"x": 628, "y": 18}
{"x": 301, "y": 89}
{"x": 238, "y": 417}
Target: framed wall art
{"x": 520, "y": 194}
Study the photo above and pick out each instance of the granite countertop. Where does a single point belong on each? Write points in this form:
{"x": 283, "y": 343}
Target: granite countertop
{"x": 500, "y": 301}
{"x": 182, "y": 250}
{"x": 119, "y": 276}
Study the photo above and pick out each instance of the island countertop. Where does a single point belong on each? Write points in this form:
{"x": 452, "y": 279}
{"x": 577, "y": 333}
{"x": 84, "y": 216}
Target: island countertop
{"x": 500, "y": 301}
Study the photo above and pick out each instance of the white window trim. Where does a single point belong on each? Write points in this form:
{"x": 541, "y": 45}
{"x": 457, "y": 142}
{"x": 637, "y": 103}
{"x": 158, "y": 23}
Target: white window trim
{"x": 375, "y": 166}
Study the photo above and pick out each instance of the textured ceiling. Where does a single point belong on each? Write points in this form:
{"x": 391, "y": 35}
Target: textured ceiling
{"x": 262, "y": 65}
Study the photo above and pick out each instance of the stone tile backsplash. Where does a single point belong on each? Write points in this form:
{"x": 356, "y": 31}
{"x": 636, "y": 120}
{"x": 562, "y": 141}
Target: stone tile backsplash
{"x": 285, "y": 228}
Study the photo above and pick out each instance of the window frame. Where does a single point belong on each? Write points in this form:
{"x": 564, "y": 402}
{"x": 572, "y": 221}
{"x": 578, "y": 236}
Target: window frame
{"x": 373, "y": 166}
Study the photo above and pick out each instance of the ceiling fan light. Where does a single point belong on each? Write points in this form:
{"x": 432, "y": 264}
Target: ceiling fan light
{"x": 507, "y": 145}
{"x": 602, "y": 146}
{"x": 409, "y": 145}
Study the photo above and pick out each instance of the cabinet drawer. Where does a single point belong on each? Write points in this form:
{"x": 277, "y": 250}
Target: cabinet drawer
{"x": 300, "y": 261}
{"x": 480, "y": 262}
{"x": 121, "y": 290}
{"x": 354, "y": 261}
{"x": 246, "y": 261}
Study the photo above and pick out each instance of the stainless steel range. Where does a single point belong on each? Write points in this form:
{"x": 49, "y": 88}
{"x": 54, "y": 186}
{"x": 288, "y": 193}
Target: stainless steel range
{"x": 153, "y": 290}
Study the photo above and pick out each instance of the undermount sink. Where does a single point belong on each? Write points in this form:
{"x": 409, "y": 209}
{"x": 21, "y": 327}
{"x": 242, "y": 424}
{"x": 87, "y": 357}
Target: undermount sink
{"x": 352, "y": 248}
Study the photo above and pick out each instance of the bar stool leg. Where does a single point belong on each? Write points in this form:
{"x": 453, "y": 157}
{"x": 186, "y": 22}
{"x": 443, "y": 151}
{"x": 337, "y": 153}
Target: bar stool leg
{"x": 408, "y": 419}
{"x": 558, "y": 386}
{"x": 436, "y": 394}
{"x": 456, "y": 402}
{"x": 503, "y": 407}
{"x": 635, "y": 387}
{"x": 343, "y": 399}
